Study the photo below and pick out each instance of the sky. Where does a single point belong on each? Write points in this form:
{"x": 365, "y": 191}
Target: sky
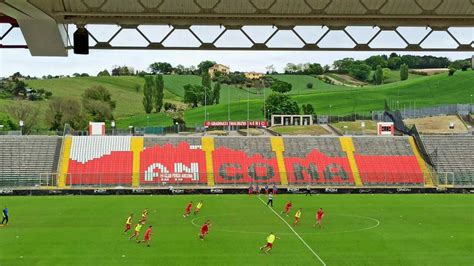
{"x": 20, "y": 60}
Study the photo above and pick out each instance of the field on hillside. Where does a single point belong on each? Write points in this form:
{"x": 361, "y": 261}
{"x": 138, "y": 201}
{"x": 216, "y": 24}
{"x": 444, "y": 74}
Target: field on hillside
{"x": 422, "y": 92}
{"x": 357, "y": 230}
{"x": 326, "y": 98}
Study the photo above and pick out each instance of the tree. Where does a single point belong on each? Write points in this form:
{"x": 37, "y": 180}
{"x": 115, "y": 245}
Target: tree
{"x": 193, "y": 94}
{"x": 281, "y": 104}
{"x": 360, "y": 71}
{"x": 206, "y": 80}
{"x": 452, "y": 71}
{"x": 159, "y": 86}
{"x": 394, "y": 63}
{"x": 180, "y": 70}
{"x": 270, "y": 69}
{"x": 103, "y": 73}
{"x": 161, "y": 68}
{"x": 308, "y": 109}
{"x": 65, "y": 110}
{"x": 216, "y": 93}
{"x": 326, "y": 68}
{"x": 460, "y": 65}
{"x": 26, "y": 112}
{"x": 205, "y": 65}
{"x": 404, "y": 72}
{"x": 386, "y": 74}
{"x": 376, "y": 60}
{"x": 343, "y": 66}
{"x": 148, "y": 94}
{"x": 315, "y": 69}
{"x": 281, "y": 86}
{"x": 378, "y": 75}
{"x": 169, "y": 106}
{"x": 122, "y": 71}
{"x": 98, "y": 102}
{"x": 309, "y": 85}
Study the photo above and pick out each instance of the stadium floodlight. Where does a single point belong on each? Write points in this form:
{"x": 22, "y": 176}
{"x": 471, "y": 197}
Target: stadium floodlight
{"x": 81, "y": 40}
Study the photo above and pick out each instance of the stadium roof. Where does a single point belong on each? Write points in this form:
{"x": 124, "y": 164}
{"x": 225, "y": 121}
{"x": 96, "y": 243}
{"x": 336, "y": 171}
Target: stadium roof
{"x": 38, "y": 19}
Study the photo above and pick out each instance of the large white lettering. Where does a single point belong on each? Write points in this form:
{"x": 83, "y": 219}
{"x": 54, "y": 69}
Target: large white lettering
{"x": 180, "y": 173}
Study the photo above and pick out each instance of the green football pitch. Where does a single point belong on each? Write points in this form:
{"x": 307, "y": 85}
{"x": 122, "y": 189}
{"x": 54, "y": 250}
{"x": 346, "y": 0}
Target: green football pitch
{"x": 357, "y": 230}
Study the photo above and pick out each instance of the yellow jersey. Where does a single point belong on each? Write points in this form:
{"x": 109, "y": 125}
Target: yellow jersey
{"x": 138, "y": 227}
{"x": 199, "y": 205}
{"x": 145, "y": 214}
{"x": 298, "y": 214}
{"x": 129, "y": 220}
{"x": 271, "y": 238}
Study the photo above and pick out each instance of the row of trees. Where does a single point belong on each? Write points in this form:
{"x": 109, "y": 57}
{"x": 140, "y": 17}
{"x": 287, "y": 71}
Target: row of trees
{"x": 153, "y": 93}
{"x": 203, "y": 94}
{"x": 96, "y": 104}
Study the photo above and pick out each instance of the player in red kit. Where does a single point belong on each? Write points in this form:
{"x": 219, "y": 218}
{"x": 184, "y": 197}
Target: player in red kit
{"x": 287, "y": 208}
{"x": 147, "y": 237}
{"x": 319, "y": 217}
{"x": 204, "y": 229}
{"x": 187, "y": 211}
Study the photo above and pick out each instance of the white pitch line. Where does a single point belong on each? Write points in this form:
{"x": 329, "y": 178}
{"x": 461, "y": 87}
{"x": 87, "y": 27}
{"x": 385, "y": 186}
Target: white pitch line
{"x": 291, "y": 228}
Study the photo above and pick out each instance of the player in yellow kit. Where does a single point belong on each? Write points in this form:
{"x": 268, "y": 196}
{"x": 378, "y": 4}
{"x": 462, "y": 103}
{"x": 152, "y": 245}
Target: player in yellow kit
{"x": 198, "y": 207}
{"x": 138, "y": 228}
{"x": 270, "y": 239}
{"x": 128, "y": 223}
{"x": 144, "y": 214}
{"x": 297, "y": 217}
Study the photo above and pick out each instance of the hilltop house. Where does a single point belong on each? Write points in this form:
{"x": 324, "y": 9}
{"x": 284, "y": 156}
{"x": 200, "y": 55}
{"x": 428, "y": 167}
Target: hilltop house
{"x": 218, "y": 68}
{"x": 253, "y": 75}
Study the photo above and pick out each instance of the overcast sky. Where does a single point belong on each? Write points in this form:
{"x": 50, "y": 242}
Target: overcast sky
{"x": 13, "y": 60}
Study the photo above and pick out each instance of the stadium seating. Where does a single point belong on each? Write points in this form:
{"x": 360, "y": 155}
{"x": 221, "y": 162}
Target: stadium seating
{"x": 28, "y": 161}
{"x": 453, "y": 158}
{"x": 170, "y": 161}
{"x": 116, "y": 161}
{"x": 98, "y": 160}
{"x": 387, "y": 161}
{"x": 318, "y": 161}
{"x": 246, "y": 160}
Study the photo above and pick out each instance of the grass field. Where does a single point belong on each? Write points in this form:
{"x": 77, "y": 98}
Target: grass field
{"x": 358, "y": 230}
{"x": 314, "y": 130}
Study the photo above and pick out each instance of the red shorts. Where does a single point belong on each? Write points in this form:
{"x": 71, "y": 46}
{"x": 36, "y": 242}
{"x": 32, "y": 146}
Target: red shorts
{"x": 204, "y": 232}
{"x": 287, "y": 209}
{"x": 127, "y": 226}
{"x": 147, "y": 238}
{"x": 269, "y": 245}
{"x": 319, "y": 219}
{"x": 188, "y": 211}
{"x": 297, "y": 219}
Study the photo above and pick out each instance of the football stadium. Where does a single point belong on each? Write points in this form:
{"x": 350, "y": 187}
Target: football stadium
{"x": 237, "y": 132}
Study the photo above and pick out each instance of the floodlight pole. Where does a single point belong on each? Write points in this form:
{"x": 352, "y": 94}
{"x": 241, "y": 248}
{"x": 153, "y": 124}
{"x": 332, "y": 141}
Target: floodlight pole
{"x": 228, "y": 108}
{"x": 205, "y": 107}
{"x": 248, "y": 110}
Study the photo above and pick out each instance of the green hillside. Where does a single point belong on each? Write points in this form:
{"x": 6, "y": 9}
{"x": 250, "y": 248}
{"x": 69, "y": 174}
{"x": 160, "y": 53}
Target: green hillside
{"x": 426, "y": 91}
{"x": 423, "y": 91}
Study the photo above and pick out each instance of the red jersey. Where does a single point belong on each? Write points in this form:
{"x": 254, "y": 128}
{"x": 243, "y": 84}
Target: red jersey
{"x": 205, "y": 228}
{"x": 188, "y": 208}
{"x": 148, "y": 233}
{"x": 288, "y": 205}
{"x": 320, "y": 214}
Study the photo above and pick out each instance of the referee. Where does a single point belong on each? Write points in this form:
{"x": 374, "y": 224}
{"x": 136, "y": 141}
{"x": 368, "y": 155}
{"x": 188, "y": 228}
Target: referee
{"x": 308, "y": 190}
{"x": 5, "y": 216}
{"x": 270, "y": 199}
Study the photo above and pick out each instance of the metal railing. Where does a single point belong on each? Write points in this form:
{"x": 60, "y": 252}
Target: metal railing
{"x": 124, "y": 180}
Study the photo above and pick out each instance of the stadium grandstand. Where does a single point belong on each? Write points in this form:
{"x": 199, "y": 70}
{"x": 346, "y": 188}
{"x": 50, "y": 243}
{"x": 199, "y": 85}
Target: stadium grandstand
{"x": 234, "y": 162}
